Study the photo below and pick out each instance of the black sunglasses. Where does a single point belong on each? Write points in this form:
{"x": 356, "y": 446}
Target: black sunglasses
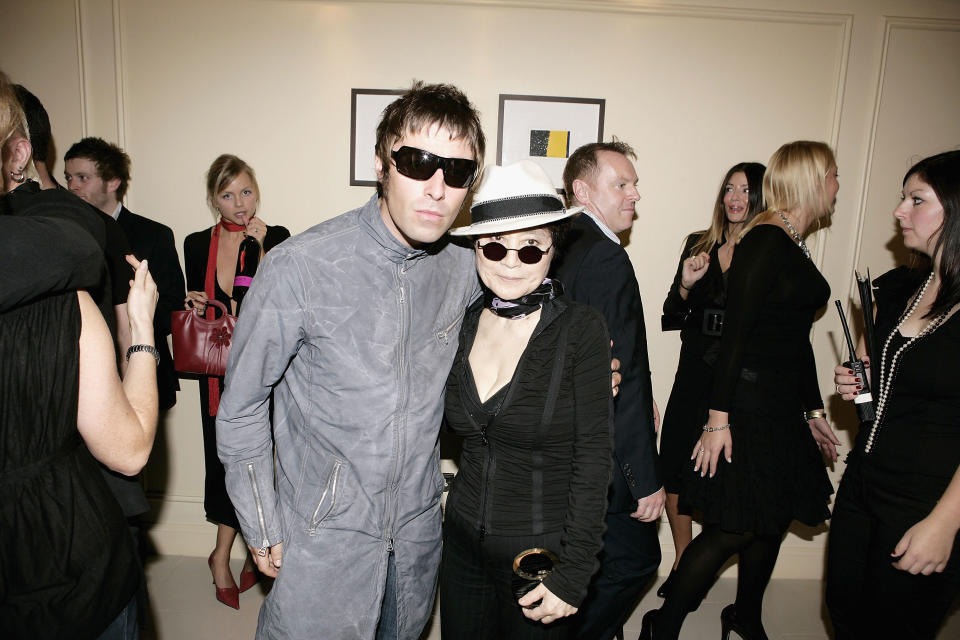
{"x": 418, "y": 164}
{"x": 528, "y": 254}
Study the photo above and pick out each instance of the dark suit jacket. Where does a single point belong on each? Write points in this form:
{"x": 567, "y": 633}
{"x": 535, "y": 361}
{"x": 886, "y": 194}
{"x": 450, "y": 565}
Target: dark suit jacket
{"x": 153, "y": 241}
{"x": 596, "y": 271}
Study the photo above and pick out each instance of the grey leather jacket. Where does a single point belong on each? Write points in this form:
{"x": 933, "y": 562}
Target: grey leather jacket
{"x": 354, "y": 334}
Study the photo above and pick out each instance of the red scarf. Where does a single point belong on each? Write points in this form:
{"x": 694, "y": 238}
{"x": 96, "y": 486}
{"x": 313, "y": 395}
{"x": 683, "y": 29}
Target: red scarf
{"x": 210, "y": 288}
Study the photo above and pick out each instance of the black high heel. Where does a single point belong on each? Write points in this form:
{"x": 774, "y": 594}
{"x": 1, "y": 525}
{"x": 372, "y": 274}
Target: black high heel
{"x": 730, "y": 622}
{"x": 646, "y": 631}
{"x": 664, "y": 589}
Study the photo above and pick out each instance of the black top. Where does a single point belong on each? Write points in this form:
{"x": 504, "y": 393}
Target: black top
{"x": 709, "y": 292}
{"x": 196, "y": 248}
{"x": 917, "y": 443}
{"x": 536, "y": 457}
{"x": 67, "y": 563}
{"x": 774, "y": 293}
{"x": 596, "y": 271}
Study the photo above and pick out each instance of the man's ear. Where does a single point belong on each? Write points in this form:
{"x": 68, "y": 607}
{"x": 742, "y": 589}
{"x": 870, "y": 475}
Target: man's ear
{"x": 113, "y": 185}
{"x": 581, "y": 191}
{"x": 378, "y": 166}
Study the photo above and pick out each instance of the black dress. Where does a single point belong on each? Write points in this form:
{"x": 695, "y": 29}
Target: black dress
{"x": 67, "y": 563}
{"x": 765, "y": 377}
{"x": 697, "y": 318}
{"x": 196, "y": 249}
{"x": 534, "y": 471}
{"x": 896, "y": 484}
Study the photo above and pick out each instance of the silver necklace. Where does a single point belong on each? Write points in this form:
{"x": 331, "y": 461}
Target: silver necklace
{"x": 796, "y": 236}
{"x": 886, "y": 381}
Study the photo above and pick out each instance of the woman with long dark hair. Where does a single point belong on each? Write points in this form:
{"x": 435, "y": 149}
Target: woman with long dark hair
{"x": 210, "y": 258}
{"x": 893, "y": 566}
{"x": 695, "y": 306}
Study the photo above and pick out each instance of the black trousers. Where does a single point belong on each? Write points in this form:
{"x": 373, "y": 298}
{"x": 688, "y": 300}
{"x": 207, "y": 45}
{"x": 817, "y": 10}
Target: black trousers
{"x": 866, "y": 595}
{"x": 476, "y": 598}
{"x": 628, "y": 564}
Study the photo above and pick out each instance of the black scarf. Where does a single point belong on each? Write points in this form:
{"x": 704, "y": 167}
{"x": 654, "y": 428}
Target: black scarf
{"x": 524, "y": 305}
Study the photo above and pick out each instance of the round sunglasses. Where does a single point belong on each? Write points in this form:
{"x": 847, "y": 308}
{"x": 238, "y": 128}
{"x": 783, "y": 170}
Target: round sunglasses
{"x": 418, "y": 164}
{"x": 528, "y": 254}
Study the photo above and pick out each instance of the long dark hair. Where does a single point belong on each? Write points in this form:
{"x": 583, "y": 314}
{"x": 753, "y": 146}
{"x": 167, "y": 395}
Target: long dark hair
{"x": 718, "y": 223}
{"x": 942, "y": 173}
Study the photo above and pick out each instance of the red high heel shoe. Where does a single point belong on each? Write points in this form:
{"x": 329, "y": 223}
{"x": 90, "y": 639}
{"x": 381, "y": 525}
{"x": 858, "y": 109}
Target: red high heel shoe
{"x": 229, "y": 596}
{"x": 248, "y": 578}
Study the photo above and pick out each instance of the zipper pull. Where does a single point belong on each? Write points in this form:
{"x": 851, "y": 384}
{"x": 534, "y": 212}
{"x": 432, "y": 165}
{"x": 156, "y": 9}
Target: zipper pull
{"x": 390, "y": 545}
{"x": 483, "y": 532}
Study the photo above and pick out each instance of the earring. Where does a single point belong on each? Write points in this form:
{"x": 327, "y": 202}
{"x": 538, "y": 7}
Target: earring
{"x": 18, "y": 176}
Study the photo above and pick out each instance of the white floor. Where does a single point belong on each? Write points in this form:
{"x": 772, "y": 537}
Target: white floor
{"x": 183, "y": 607}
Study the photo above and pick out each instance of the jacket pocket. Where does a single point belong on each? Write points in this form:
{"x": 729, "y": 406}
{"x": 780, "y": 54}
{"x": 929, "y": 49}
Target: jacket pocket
{"x": 328, "y": 497}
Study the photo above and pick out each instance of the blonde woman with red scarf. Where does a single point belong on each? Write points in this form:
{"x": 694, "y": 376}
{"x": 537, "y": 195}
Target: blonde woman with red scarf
{"x": 210, "y": 258}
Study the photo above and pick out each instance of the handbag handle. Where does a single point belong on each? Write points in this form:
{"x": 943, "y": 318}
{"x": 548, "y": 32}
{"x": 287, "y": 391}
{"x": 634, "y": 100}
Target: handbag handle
{"x": 218, "y": 305}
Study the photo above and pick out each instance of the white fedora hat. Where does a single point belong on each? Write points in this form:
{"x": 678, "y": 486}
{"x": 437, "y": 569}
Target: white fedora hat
{"x": 517, "y": 196}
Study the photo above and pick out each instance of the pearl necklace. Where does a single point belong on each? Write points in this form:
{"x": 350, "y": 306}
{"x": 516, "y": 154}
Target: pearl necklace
{"x": 796, "y": 236}
{"x": 886, "y": 381}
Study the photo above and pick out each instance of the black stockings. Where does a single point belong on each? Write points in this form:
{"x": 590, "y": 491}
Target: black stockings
{"x": 699, "y": 566}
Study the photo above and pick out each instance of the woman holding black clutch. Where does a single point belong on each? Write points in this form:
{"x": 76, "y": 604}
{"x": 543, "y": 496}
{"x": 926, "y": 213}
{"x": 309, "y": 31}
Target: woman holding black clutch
{"x": 695, "y": 306}
{"x": 893, "y": 566}
{"x": 210, "y": 257}
{"x": 529, "y": 392}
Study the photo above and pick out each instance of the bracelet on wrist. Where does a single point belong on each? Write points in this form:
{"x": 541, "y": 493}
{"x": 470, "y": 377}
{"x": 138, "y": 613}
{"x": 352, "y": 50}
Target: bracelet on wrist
{"x": 816, "y": 413}
{"x": 687, "y": 289}
{"x": 134, "y": 348}
{"x": 708, "y": 429}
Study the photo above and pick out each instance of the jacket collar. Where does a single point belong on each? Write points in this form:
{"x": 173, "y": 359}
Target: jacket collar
{"x": 394, "y": 250}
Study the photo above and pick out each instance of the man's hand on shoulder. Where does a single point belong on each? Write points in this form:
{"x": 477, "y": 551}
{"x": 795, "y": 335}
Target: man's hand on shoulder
{"x": 650, "y": 508}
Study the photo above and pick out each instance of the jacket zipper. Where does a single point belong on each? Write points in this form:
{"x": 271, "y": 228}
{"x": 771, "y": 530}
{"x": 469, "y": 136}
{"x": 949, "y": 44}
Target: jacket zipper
{"x": 487, "y": 463}
{"x": 262, "y": 551}
{"x": 391, "y": 502}
{"x": 331, "y": 488}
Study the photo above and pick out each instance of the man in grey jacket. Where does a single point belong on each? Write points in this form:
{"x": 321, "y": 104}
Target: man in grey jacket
{"x": 352, "y": 326}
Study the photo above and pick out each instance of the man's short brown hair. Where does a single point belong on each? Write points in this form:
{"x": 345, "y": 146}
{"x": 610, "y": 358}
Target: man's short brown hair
{"x": 583, "y": 162}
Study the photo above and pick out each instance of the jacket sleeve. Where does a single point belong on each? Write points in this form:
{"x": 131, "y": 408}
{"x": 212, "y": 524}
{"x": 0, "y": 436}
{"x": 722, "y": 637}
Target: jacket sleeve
{"x": 165, "y": 267}
{"x": 590, "y": 471}
{"x": 674, "y": 304}
{"x": 609, "y": 284}
{"x": 268, "y": 335}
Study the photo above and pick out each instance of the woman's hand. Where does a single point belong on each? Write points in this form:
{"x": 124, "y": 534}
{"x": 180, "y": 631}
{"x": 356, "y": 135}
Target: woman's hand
{"x": 269, "y": 564}
{"x": 196, "y": 300}
{"x": 706, "y": 453}
{"x": 848, "y": 382}
{"x": 551, "y": 608}
{"x": 256, "y": 229}
{"x": 825, "y": 437}
{"x": 693, "y": 269}
{"x": 925, "y": 547}
{"x": 141, "y": 302}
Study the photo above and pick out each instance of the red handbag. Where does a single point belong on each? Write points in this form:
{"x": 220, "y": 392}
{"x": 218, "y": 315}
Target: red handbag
{"x": 201, "y": 346}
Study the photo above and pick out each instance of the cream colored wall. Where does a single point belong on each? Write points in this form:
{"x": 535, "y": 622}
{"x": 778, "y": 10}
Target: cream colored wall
{"x": 694, "y": 87}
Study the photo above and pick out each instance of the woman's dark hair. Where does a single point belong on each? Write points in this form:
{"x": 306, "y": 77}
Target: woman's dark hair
{"x": 942, "y": 173}
{"x": 718, "y": 223}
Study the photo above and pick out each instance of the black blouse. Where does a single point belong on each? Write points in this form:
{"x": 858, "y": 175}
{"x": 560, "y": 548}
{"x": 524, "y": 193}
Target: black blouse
{"x": 773, "y": 294}
{"x": 709, "y": 292}
{"x": 918, "y": 439}
{"x": 541, "y": 462}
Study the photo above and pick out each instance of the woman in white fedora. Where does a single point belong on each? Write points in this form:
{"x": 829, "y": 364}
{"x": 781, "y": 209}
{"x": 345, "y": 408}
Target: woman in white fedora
{"x": 530, "y": 394}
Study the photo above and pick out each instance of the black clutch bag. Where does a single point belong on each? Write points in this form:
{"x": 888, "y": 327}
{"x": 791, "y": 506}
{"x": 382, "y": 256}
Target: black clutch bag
{"x": 530, "y": 567}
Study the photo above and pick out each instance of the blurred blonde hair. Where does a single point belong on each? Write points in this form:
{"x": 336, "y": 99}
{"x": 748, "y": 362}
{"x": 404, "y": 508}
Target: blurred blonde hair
{"x": 13, "y": 123}
{"x": 796, "y": 180}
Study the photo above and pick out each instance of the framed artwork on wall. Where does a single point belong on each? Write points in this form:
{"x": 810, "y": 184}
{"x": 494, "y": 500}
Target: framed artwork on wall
{"x": 366, "y": 105}
{"x": 547, "y": 129}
